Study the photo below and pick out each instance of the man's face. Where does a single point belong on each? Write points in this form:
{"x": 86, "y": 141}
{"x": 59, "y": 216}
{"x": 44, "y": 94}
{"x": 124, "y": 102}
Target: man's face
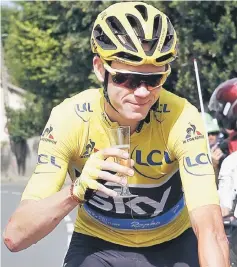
{"x": 133, "y": 104}
{"x": 212, "y": 138}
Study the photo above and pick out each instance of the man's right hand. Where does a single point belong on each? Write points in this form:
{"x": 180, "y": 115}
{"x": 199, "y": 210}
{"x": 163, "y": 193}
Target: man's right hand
{"x": 97, "y": 167}
{"x": 216, "y": 155}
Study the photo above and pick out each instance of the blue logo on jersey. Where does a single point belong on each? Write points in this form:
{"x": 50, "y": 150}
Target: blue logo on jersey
{"x": 150, "y": 158}
{"x": 85, "y": 107}
{"x": 153, "y": 158}
{"x": 45, "y": 159}
{"x": 163, "y": 108}
{"x": 197, "y": 161}
{"x": 200, "y": 159}
{"x": 138, "y": 224}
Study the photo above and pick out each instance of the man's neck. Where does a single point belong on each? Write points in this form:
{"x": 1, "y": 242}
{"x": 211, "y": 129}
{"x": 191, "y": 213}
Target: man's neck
{"x": 114, "y": 116}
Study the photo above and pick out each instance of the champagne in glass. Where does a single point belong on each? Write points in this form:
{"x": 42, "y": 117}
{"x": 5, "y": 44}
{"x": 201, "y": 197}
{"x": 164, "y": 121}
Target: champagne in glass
{"x": 120, "y": 138}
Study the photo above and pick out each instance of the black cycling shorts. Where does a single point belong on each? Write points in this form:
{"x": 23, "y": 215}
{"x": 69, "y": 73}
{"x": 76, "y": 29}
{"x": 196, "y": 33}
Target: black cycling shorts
{"x": 87, "y": 251}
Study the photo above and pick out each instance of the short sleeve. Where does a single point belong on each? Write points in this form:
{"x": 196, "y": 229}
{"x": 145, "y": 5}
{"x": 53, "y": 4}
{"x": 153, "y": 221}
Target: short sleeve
{"x": 58, "y": 144}
{"x": 189, "y": 144}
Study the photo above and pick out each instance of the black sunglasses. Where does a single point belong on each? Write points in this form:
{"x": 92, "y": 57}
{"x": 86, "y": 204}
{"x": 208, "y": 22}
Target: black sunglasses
{"x": 213, "y": 133}
{"x": 135, "y": 80}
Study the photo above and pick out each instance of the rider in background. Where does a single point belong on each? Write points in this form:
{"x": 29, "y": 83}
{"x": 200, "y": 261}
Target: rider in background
{"x": 228, "y": 185}
{"x": 213, "y": 129}
{"x": 214, "y": 138}
{"x": 224, "y": 103}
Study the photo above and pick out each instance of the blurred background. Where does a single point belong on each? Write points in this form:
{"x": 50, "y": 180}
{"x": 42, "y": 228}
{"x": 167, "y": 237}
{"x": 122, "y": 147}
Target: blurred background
{"x": 46, "y": 57}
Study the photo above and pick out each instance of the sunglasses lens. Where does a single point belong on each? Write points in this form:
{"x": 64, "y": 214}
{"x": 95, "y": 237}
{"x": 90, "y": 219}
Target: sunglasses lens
{"x": 154, "y": 80}
{"x": 135, "y": 80}
{"x": 127, "y": 80}
{"x": 119, "y": 78}
{"x": 213, "y": 133}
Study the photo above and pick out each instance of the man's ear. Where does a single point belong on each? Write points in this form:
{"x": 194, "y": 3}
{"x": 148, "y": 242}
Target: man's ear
{"x": 99, "y": 68}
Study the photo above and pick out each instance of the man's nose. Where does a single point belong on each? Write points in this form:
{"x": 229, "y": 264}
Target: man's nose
{"x": 142, "y": 91}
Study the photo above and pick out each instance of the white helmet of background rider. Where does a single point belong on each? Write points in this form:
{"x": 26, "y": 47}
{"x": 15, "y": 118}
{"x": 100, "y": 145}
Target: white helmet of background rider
{"x": 211, "y": 123}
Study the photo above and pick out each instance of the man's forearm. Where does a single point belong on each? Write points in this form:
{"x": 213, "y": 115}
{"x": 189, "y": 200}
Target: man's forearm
{"x": 35, "y": 219}
{"x": 213, "y": 247}
{"x": 213, "y": 251}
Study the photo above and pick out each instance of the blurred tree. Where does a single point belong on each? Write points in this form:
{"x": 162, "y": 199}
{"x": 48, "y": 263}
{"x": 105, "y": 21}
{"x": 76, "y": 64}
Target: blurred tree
{"x": 48, "y": 46}
{"x": 48, "y": 49}
{"x": 207, "y": 31}
{"x": 25, "y": 123}
{"x": 6, "y": 12}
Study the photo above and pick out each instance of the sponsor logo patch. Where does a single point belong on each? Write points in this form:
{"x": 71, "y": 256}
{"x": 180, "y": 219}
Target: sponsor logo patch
{"x": 163, "y": 108}
{"x": 200, "y": 159}
{"x": 83, "y": 111}
{"x": 192, "y": 134}
{"x": 85, "y": 107}
{"x": 47, "y": 135}
{"x": 155, "y": 157}
{"x": 154, "y": 206}
{"x": 47, "y": 159}
{"x": 90, "y": 147}
{"x": 194, "y": 165}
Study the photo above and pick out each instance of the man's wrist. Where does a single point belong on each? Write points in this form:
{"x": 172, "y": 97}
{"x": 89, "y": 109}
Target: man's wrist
{"x": 75, "y": 198}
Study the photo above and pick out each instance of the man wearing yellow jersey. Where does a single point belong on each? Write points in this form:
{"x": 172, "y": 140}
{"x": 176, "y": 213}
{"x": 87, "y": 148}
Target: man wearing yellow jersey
{"x": 175, "y": 219}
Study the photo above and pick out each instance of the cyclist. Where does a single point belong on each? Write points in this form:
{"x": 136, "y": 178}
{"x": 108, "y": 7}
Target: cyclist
{"x": 214, "y": 137}
{"x": 213, "y": 129}
{"x": 176, "y": 211}
{"x": 228, "y": 185}
{"x": 224, "y": 103}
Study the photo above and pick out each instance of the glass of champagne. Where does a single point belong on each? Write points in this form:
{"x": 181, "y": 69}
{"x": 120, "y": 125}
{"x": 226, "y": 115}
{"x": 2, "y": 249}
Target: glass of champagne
{"x": 120, "y": 138}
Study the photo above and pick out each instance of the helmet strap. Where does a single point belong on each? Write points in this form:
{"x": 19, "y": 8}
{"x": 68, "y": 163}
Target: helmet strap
{"x": 105, "y": 91}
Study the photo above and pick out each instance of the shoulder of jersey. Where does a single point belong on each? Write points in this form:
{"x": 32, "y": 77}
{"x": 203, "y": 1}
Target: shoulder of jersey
{"x": 170, "y": 106}
{"x": 81, "y": 106}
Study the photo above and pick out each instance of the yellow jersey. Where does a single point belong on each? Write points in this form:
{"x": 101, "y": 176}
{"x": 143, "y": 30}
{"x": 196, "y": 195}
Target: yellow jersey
{"x": 173, "y": 172}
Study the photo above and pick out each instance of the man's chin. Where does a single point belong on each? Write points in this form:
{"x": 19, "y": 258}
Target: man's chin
{"x": 135, "y": 116}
